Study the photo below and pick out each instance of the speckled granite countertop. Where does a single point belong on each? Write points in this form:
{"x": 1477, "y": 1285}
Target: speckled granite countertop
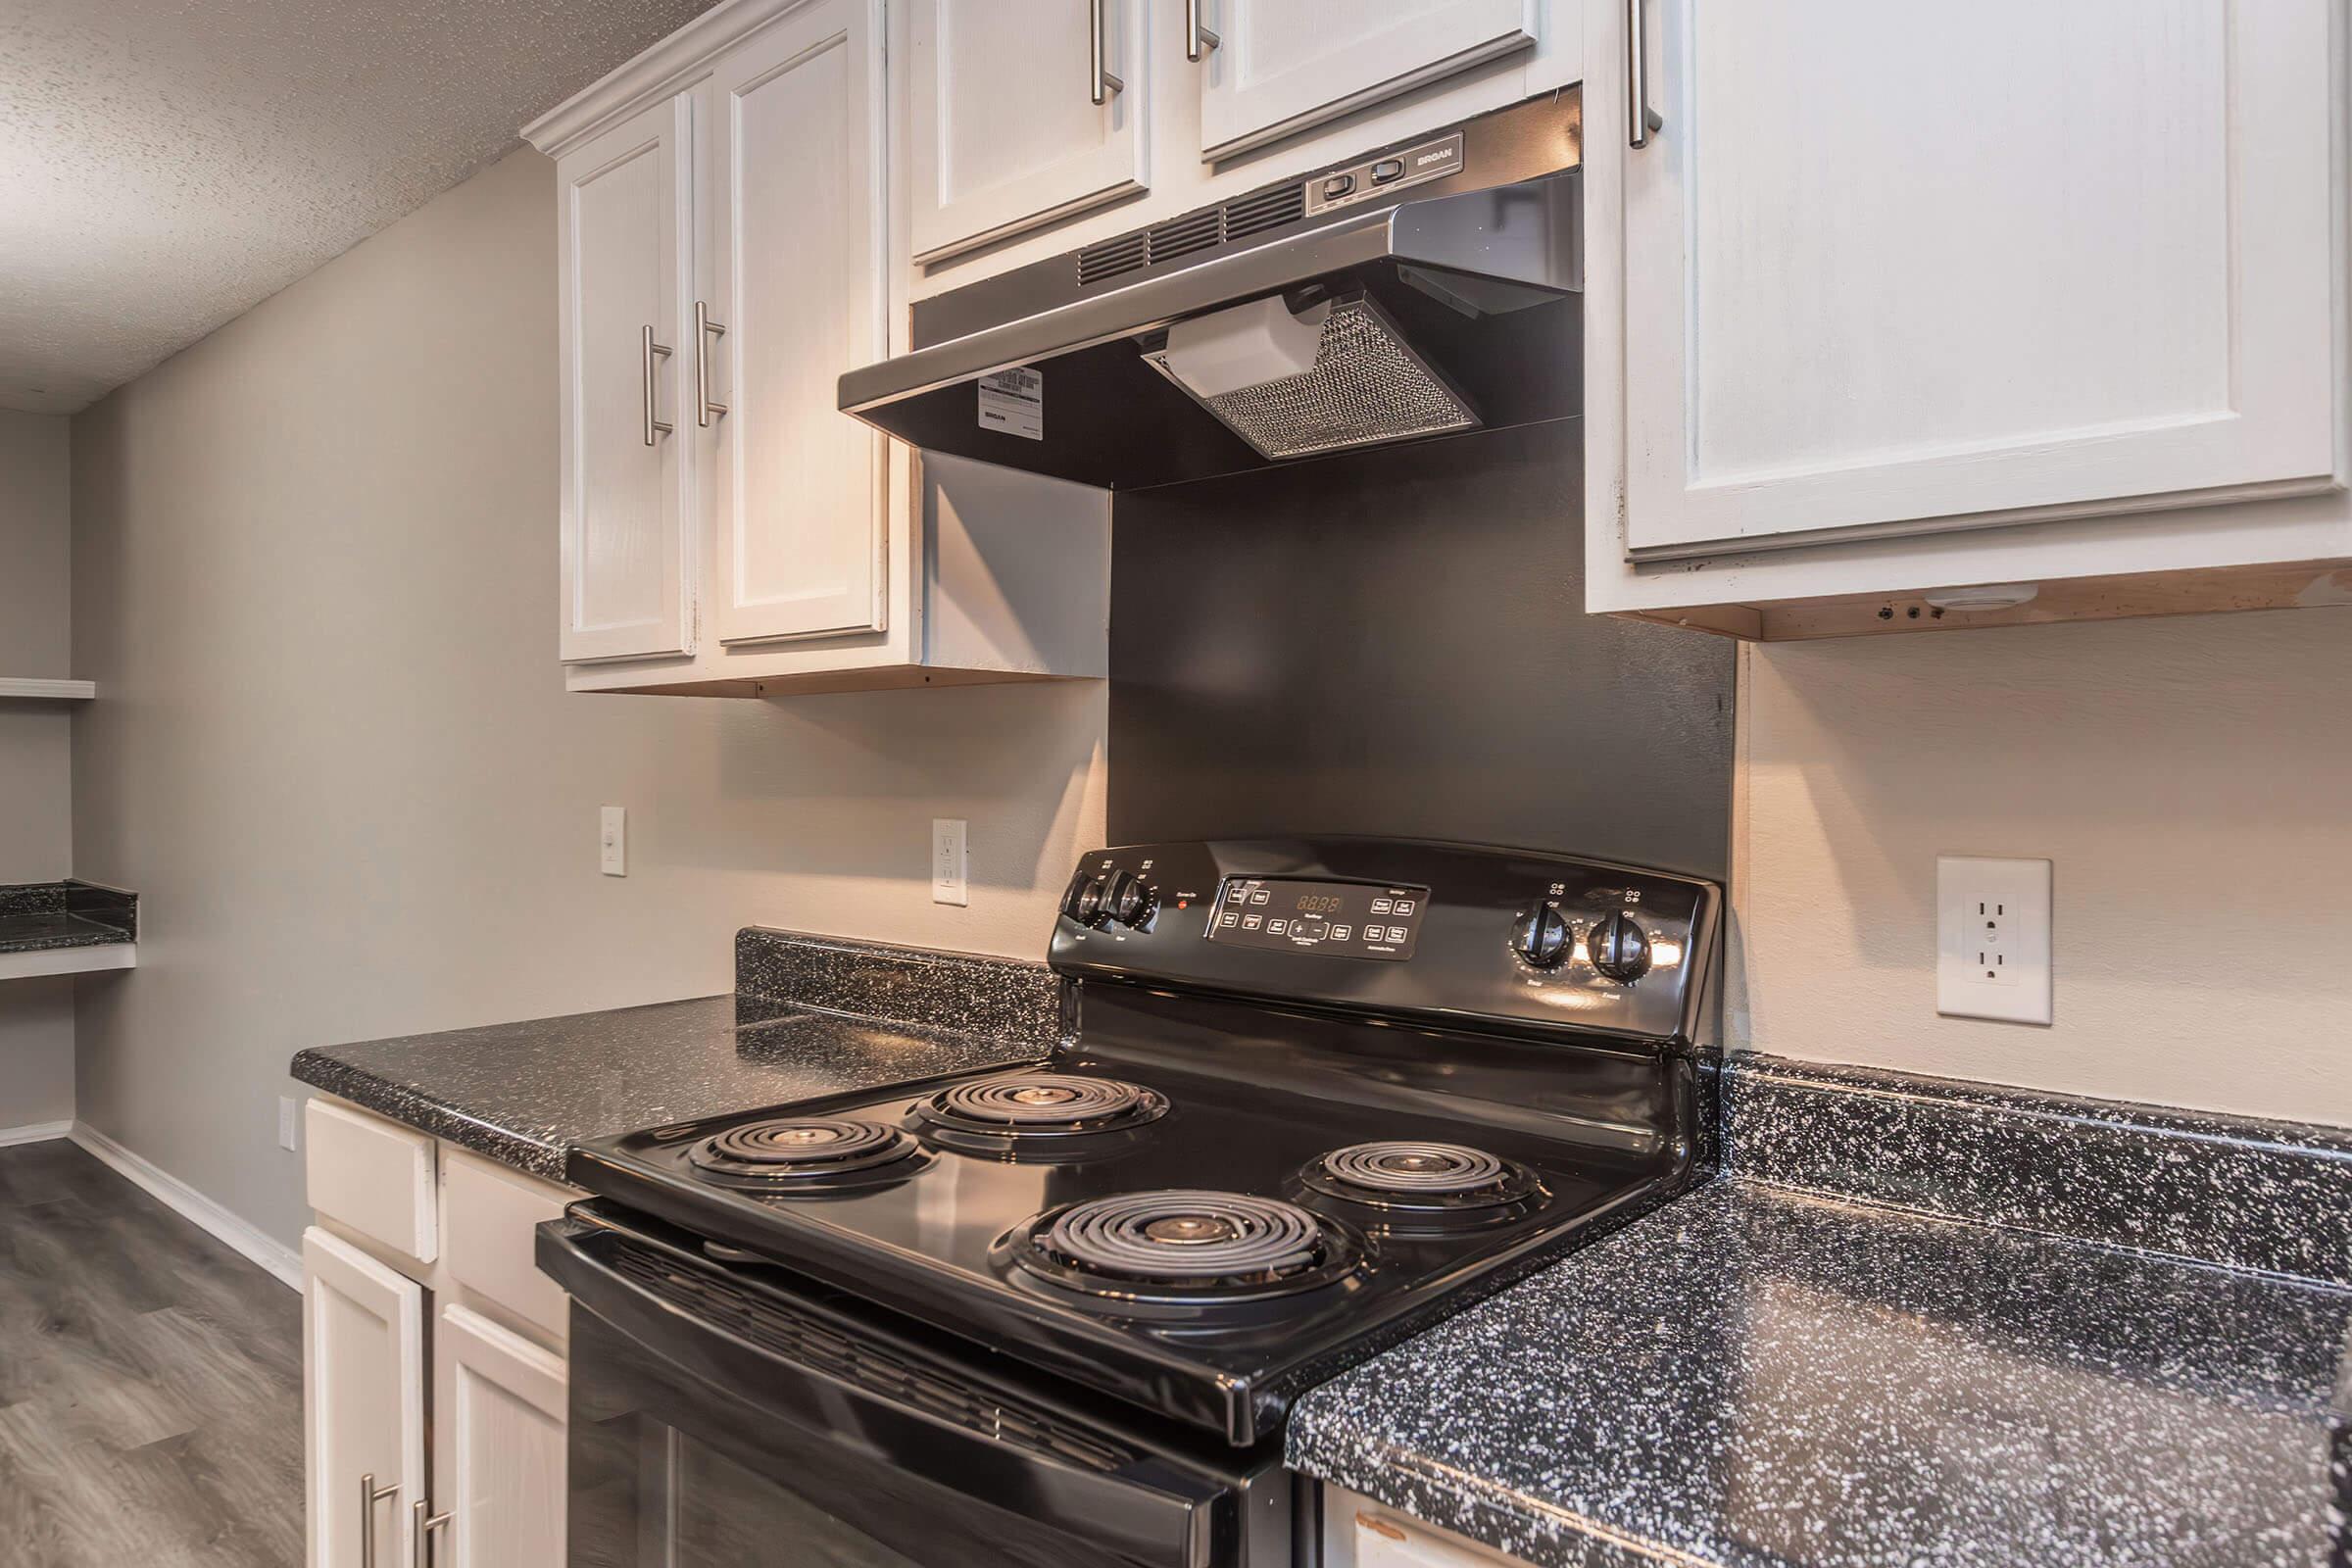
{"x": 1757, "y": 1377}
{"x": 524, "y": 1092}
{"x": 39, "y": 916}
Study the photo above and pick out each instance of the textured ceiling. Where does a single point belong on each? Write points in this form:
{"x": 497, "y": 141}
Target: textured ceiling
{"x": 165, "y": 165}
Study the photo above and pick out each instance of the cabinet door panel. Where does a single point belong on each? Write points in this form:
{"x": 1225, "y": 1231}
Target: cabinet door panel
{"x": 801, "y": 486}
{"x": 1381, "y": 1539}
{"x": 1895, "y": 268}
{"x": 1006, "y": 134}
{"x": 363, "y": 1399}
{"x": 624, "y": 504}
{"x": 1283, "y": 66}
{"x": 497, "y": 1446}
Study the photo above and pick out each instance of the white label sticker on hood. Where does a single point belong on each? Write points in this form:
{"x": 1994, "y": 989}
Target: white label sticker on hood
{"x": 1015, "y": 402}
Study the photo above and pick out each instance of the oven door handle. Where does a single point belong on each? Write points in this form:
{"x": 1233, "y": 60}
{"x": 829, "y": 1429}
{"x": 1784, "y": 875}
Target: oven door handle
{"x": 1146, "y": 1511}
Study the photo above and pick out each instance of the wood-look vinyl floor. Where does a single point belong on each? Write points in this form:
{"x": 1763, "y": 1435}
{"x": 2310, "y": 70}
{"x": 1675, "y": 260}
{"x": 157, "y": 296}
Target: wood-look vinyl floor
{"x": 150, "y": 1382}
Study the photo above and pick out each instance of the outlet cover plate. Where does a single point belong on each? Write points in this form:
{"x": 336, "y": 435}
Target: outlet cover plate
{"x": 1992, "y": 938}
{"x": 612, "y": 839}
{"x": 951, "y": 864}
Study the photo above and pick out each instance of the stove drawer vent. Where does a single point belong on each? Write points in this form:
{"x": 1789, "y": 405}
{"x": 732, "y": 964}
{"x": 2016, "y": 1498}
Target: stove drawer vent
{"x": 769, "y": 1323}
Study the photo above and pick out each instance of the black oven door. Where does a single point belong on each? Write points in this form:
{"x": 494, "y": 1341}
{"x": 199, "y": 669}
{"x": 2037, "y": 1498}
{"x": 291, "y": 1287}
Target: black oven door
{"x": 722, "y": 1418}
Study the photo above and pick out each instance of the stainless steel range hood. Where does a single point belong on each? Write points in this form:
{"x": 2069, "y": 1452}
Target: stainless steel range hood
{"x": 1422, "y": 289}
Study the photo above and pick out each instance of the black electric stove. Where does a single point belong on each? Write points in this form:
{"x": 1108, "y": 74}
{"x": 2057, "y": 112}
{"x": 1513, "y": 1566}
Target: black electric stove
{"x": 1319, "y": 1093}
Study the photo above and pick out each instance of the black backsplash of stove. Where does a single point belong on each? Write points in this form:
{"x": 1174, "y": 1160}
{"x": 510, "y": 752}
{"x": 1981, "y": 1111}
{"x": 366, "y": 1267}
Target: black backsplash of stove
{"x": 1394, "y": 642}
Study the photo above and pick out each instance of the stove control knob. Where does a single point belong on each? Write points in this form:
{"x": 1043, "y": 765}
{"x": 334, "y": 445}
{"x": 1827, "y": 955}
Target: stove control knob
{"x": 1085, "y": 902}
{"x": 1618, "y": 948}
{"x": 1126, "y": 900}
{"x": 1540, "y": 937}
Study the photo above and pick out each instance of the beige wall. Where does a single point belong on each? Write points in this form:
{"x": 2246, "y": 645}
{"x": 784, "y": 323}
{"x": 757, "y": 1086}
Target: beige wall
{"x": 2191, "y": 781}
{"x": 35, "y": 757}
{"x": 315, "y": 576}
{"x": 36, "y": 816}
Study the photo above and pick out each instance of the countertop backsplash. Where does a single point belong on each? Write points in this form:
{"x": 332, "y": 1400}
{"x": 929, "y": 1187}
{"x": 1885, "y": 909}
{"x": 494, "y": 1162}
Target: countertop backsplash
{"x": 2269, "y": 1195}
{"x": 1007, "y": 998}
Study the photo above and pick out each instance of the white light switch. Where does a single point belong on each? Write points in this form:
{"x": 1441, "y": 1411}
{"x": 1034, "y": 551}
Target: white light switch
{"x": 1992, "y": 938}
{"x": 950, "y": 866}
{"x": 286, "y": 1121}
{"x": 613, "y": 841}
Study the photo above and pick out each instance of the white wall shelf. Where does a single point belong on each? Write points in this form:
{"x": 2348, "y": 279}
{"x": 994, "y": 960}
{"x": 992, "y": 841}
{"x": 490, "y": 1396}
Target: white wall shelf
{"x": 64, "y": 690}
{"x": 68, "y": 961}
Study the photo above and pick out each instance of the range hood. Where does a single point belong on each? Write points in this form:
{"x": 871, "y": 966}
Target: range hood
{"x": 1421, "y": 291}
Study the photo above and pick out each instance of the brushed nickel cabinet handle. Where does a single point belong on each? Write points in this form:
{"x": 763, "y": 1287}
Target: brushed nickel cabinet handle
{"x": 704, "y": 329}
{"x": 1641, "y": 119}
{"x": 647, "y": 349}
{"x": 1198, "y": 40}
{"x": 369, "y": 1495}
{"x": 421, "y": 1524}
{"x": 1107, "y": 81}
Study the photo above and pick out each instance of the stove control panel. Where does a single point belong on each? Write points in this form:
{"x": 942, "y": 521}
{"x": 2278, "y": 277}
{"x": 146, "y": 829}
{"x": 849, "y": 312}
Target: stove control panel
{"x": 1346, "y": 919}
{"x": 1514, "y": 937}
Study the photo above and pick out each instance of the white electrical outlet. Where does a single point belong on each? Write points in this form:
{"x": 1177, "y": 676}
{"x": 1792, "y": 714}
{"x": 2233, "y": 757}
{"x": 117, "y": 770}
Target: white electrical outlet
{"x": 286, "y": 1121}
{"x": 613, "y": 841}
{"x": 1992, "y": 938}
{"x": 949, "y": 864}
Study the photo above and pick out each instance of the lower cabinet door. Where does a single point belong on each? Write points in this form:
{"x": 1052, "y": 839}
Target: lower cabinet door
{"x": 498, "y": 1446}
{"x": 363, "y": 1403}
{"x": 1380, "y": 1539}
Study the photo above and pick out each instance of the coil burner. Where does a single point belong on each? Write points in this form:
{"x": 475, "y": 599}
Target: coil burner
{"x": 1428, "y": 1181}
{"x": 804, "y": 1152}
{"x": 1184, "y": 1248}
{"x": 1041, "y": 1105}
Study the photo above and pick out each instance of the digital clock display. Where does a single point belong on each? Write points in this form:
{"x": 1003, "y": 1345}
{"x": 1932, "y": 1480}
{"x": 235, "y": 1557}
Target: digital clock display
{"x": 1343, "y": 919}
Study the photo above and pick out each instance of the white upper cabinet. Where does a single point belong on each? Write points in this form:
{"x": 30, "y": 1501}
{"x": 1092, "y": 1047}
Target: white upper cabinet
{"x": 1022, "y": 111}
{"x": 1911, "y": 269}
{"x": 1219, "y": 98}
{"x": 799, "y": 275}
{"x": 732, "y": 190}
{"x": 626, "y": 486}
{"x": 1275, "y": 68}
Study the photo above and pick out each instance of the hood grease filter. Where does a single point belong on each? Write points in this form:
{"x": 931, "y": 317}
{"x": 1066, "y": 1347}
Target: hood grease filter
{"x": 1362, "y": 384}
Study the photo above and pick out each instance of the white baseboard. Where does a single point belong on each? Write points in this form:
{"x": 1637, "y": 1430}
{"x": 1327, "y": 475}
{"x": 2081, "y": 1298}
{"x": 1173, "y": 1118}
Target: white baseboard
{"x": 39, "y": 1132}
{"x": 190, "y": 1204}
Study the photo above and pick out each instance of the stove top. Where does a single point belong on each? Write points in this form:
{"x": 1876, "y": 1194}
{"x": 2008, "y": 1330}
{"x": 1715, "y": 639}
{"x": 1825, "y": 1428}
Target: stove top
{"x": 1210, "y": 1199}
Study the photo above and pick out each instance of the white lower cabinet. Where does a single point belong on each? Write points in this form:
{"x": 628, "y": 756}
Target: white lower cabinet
{"x": 438, "y": 1384}
{"x": 362, "y": 1403}
{"x": 1359, "y": 1533}
{"x": 498, "y": 1446}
